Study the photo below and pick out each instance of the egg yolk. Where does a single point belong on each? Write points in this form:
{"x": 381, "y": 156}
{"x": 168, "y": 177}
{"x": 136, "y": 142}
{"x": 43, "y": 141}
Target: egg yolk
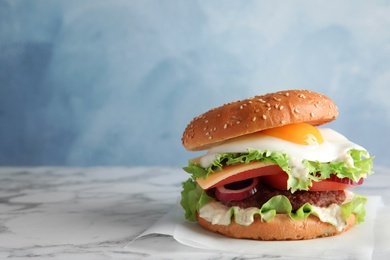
{"x": 300, "y": 133}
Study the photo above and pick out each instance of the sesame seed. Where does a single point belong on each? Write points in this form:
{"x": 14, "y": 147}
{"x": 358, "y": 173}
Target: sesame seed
{"x": 302, "y": 96}
{"x": 296, "y": 110}
{"x": 281, "y": 107}
{"x": 276, "y": 106}
{"x": 224, "y": 126}
{"x": 264, "y": 117}
{"x": 312, "y": 114}
{"x": 238, "y": 122}
{"x": 206, "y": 121}
{"x": 287, "y": 94}
{"x": 283, "y": 121}
{"x": 277, "y": 99}
{"x": 250, "y": 101}
{"x": 257, "y": 110}
{"x": 214, "y": 129}
{"x": 316, "y": 105}
{"x": 261, "y": 100}
{"x": 241, "y": 107}
{"x": 210, "y": 137}
{"x": 207, "y": 133}
{"x": 254, "y": 119}
{"x": 268, "y": 105}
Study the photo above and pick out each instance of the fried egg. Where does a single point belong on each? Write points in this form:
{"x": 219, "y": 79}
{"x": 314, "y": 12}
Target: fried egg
{"x": 300, "y": 140}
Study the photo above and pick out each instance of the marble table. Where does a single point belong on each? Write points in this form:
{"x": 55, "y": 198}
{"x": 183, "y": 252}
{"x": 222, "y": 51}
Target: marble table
{"x": 93, "y": 213}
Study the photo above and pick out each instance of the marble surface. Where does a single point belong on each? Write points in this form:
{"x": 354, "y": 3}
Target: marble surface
{"x": 93, "y": 213}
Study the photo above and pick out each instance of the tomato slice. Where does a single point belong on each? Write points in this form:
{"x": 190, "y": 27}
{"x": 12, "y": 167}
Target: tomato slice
{"x": 263, "y": 171}
{"x": 330, "y": 185}
{"x": 279, "y": 181}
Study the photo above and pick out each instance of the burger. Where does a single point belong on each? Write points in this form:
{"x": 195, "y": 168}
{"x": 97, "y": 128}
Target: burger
{"x": 269, "y": 173}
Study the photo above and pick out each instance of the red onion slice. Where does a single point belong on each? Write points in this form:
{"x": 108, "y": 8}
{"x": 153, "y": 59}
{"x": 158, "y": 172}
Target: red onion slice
{"x": 348, "y": 181}
{"x": 236, "y": 191}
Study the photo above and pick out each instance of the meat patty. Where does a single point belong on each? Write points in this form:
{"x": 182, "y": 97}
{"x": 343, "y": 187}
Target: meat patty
{"x": 297, "y": 199}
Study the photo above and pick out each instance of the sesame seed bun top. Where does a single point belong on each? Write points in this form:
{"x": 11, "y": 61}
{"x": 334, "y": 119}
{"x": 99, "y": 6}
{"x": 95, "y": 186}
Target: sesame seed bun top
{"x": 256, "y": 114}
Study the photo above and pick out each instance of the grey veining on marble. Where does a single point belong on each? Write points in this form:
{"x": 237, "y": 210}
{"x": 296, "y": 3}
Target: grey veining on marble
{"x": 92, "y": 213}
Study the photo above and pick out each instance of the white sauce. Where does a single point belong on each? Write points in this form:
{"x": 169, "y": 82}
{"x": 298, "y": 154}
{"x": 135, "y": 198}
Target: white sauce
{"x": 347, "y": 158}
{"x": 245, "y": 217}
{"x": 332, "y": 215}
{"x": 298, "y": 169}
{"x": 217, "y": 213}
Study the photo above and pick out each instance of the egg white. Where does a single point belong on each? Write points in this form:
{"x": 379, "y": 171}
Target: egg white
{"x": 334, "y": 147}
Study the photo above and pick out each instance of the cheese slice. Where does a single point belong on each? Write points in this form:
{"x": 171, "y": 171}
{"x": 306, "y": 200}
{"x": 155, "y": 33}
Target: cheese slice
{"x": 227, "y": 172}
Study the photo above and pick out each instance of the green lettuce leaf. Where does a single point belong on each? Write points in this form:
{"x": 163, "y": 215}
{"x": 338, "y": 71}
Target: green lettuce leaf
{"x": 317, "y": 171}
{"x": 194, "y": 197}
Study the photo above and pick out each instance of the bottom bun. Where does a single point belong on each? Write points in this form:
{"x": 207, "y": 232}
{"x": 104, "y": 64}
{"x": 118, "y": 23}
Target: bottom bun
{"x": 280, "y": 228}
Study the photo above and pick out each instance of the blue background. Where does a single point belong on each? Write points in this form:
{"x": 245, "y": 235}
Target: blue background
{"x": 116, "y": 82}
